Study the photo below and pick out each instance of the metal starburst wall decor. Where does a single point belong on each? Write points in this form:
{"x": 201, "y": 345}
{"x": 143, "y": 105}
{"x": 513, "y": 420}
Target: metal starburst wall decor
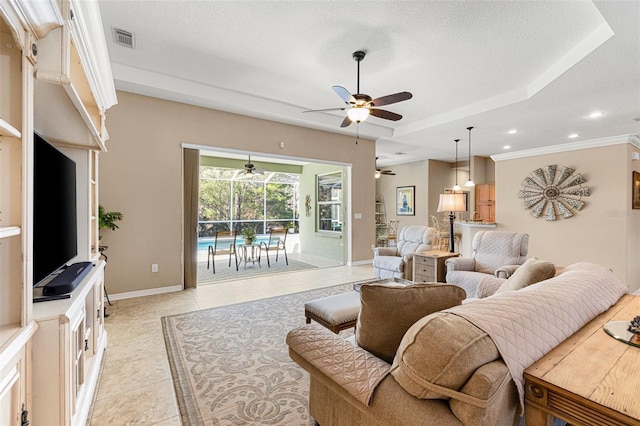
{"x": 553, "y": 194}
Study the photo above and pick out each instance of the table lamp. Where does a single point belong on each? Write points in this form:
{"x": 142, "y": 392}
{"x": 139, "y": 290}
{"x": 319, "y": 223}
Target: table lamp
{"x": 452, "y": 203}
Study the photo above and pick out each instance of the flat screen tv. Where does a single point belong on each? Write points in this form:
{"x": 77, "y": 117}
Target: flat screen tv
{"x": 55, "y": 232}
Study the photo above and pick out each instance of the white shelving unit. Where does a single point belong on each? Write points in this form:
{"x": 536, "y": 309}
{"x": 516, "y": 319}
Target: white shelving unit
{"x": 381, "y": 217}
{"x": 55, "y": 79}
{"x": 9, "y": 231}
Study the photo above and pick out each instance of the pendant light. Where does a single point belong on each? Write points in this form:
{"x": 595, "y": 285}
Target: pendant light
{"x": 469, "y": 182}
{"x": 456, "y": 187}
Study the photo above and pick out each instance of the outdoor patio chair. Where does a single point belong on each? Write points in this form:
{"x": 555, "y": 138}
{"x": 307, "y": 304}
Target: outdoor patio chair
{"x": 224, "y": 243}
{"x": 277, "y": 241}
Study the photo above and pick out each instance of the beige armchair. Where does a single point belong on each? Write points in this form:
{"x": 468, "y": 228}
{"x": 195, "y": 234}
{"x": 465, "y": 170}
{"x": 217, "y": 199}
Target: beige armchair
{"x": 495, "y": 253}
{"x": 397, "y": 262}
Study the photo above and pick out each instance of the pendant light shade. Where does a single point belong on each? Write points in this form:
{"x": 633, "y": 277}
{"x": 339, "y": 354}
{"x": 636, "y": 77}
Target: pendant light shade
{"x": 469, "y": 183}
{"x": 456, "y": 187}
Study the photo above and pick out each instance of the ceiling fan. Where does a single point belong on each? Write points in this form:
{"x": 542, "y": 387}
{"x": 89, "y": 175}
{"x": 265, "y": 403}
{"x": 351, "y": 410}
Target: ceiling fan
{"x": 360, "y": 106}
{"x": 382, "y": 172}
{"x": 250, "y": 169}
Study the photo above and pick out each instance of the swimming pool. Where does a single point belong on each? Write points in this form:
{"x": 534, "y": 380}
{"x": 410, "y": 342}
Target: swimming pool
{"x": 204, "y": 243}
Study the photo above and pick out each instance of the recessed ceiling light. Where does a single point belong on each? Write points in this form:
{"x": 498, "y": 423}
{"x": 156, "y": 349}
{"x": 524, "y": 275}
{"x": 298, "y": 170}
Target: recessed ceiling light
{"x": 573, "y": 135}
{"x": 596, "y": 114}
{"x": 506, "y": 147}
{"x": 513, "y": 131}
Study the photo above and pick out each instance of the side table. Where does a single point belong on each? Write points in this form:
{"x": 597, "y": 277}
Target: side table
{"x": 250, "y": 253}
{"x": 589, "y": 379}
{"x": 429, "y": 266}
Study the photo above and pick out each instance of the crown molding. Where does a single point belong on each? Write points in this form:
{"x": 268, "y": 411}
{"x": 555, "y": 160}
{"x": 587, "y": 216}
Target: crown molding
{"x": 573, "y": 146}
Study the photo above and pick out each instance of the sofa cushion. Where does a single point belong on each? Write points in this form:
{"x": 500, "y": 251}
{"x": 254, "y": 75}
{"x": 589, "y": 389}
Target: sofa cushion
{"x": 530, "y": 272}
{"x": 440, "y": 350}
{"x": 387, "y": 312}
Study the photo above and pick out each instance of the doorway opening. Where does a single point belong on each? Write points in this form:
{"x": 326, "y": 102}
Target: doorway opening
{"x": 274, "y": 194}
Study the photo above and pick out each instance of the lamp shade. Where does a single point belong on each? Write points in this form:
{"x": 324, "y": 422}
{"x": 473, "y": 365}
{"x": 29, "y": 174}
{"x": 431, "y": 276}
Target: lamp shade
{"x": 452, "y": 203}
{"x": 357, "y": 114}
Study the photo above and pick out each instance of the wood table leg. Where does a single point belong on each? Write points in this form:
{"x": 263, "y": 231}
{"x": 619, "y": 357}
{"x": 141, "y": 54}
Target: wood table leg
{"x": 534, "y": 416}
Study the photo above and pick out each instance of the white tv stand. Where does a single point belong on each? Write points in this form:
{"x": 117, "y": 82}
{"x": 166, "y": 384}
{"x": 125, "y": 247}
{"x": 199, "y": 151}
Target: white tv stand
{"x": 68, "y": 350}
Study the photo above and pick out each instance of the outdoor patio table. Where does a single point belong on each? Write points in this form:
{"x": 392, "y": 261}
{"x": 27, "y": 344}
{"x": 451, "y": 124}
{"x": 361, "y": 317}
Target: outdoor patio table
{"x": 249, "y": 253}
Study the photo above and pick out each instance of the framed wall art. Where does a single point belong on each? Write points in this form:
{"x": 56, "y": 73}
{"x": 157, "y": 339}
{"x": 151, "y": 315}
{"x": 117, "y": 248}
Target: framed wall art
{"x": 635, "y": 188}
{"x": 405, "y": 200}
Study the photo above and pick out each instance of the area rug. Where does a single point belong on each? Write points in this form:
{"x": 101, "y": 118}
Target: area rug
{"x": 230, "y": 365}
{"x": 226, "y": 273}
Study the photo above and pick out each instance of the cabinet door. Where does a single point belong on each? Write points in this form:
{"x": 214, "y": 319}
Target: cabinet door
{"x": 98, "y": 311}
{"x": 78, "y": 344}
{"x": 485, "y": 202}
{"x": 13, "y": 390}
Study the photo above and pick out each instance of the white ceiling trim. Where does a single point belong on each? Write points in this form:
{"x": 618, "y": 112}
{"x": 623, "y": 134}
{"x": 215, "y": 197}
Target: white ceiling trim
{"x": 484, "y": 105}
{"x": 149, "y": 83}
{"x": 574, "y": 146}
{"x": 575, "y": 55}
{"x": 585, "y": 47}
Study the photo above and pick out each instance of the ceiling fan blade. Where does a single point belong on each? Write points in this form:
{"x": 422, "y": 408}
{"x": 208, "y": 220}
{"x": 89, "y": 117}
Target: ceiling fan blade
{"x": 326, "y": 109}
{"x": 387, "y": 172}
{"x": 344, "y": 94}
{"x": 391, "y": 99}
{"x": 387, "y": 115}
{"x": 346, "y": 122}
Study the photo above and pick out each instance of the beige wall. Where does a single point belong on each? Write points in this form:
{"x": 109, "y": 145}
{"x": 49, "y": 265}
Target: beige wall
{"x": 441, "y": 175}
{"x": 408, "y": 174}
{"x": 604, "y": 232}
{"x": 430, "y": 177}
{"x": 141, "y": 176}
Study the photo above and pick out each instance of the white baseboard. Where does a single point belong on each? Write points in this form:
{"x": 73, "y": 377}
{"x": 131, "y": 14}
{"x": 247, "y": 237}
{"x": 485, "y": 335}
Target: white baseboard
{"x": 149, "y": 292}
{"x": 360, "y": 262}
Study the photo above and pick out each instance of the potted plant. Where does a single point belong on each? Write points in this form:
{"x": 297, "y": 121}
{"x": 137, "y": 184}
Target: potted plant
{"x": 249, "y": 234}
{"x": 107, "y": 220}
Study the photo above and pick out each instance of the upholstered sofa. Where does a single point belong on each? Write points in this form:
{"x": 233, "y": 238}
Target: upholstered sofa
{"x": 495, "y": 253}
{"x": 397, "y": 262}
{"x": 458, "y": 366}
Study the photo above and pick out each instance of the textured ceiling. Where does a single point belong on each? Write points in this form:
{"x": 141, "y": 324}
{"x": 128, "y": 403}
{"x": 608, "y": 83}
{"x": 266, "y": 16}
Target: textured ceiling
{"x": 538, "y": 66}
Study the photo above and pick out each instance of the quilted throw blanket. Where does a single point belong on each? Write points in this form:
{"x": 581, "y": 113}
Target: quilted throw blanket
{"x": 528, "y": 323}
{"x": 350, "y": 366}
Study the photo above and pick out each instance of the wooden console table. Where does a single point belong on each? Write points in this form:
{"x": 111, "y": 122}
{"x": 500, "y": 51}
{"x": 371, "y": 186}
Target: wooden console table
{"x": 590, "y": 378}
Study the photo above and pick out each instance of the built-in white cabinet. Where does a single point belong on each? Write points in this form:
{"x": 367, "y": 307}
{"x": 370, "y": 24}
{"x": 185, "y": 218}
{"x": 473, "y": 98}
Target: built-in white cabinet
{"x": 16, "y": 324}
{"x": 67, "y": 352}
{"x": 55, "y": 78}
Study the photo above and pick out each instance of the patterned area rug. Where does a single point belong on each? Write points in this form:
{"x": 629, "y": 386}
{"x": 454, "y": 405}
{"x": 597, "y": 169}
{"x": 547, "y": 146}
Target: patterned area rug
{"x": 226, "y": 273}
{"x": 230, "y": 365}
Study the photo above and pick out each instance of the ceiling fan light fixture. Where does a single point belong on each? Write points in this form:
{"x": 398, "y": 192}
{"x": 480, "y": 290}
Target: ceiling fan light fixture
{"x": 378, "y": 174}
{"x": 358, "y": 114}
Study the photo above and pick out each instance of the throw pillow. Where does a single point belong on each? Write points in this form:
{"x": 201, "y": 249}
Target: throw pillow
{"x": 387, "y": 312}
{"x": 530, "y": 272}
{"x": 441, "y": 350}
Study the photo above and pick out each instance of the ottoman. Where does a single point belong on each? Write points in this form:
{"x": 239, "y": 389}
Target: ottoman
{"x": 340, "y": 311}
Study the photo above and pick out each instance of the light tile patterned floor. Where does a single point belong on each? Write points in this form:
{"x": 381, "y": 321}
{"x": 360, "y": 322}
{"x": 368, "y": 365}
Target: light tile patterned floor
{"x": 135, "y": 387}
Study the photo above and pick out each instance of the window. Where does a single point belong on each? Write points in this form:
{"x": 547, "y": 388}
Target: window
{"x": 329, "y": 196}
{"x": 230, "y": 199}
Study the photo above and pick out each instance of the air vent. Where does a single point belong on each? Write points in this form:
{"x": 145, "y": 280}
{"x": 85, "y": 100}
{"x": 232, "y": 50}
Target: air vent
{"x": 123, "y": 38}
